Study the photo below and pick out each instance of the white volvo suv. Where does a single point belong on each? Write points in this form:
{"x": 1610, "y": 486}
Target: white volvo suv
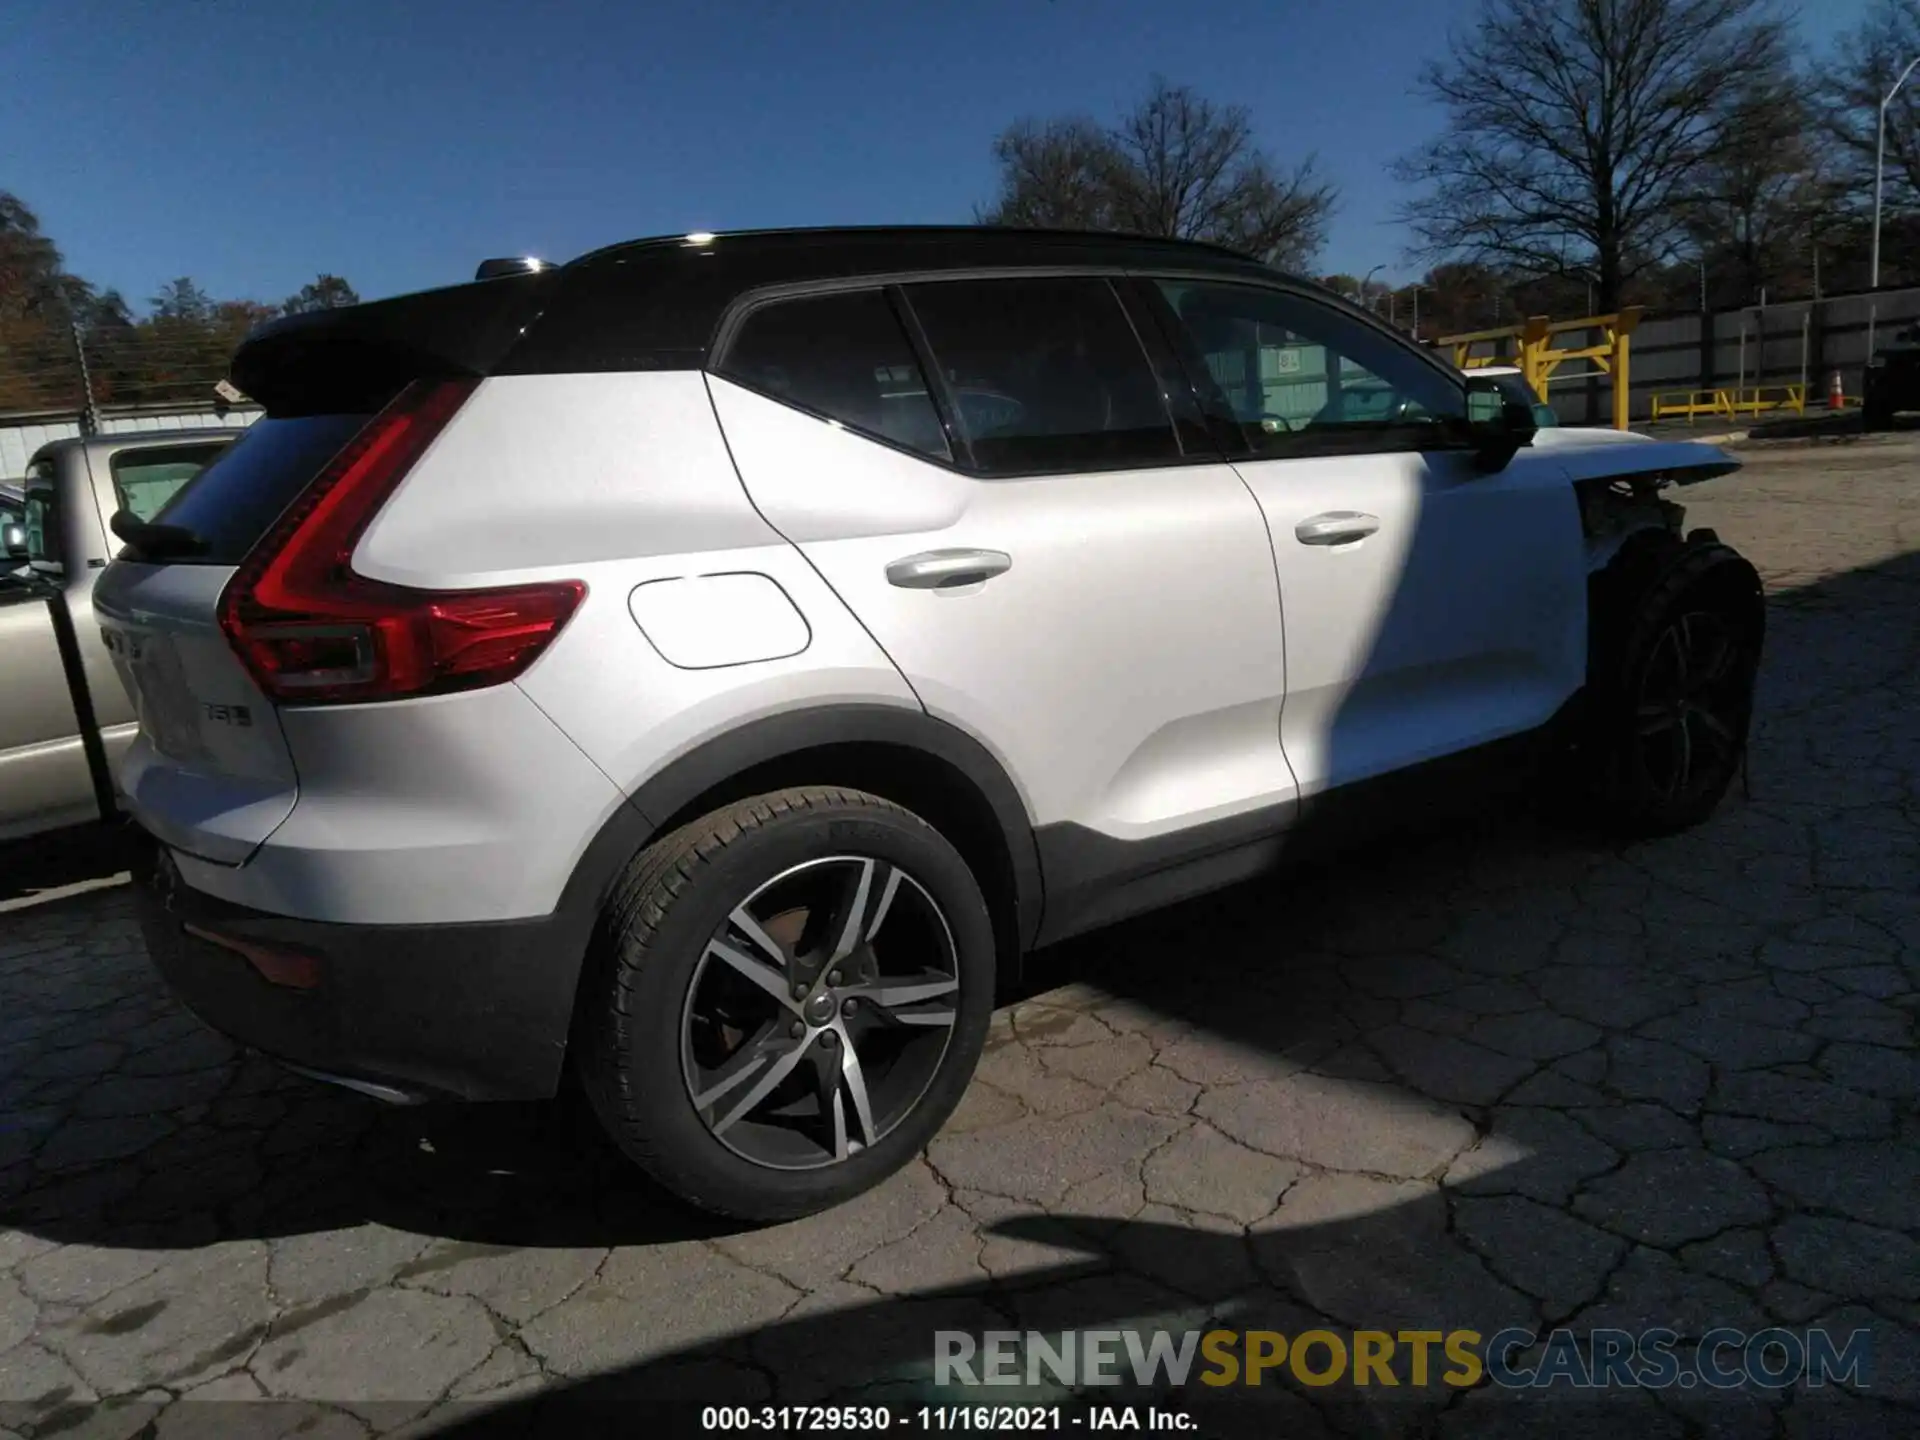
{"x": 710, "y": 664}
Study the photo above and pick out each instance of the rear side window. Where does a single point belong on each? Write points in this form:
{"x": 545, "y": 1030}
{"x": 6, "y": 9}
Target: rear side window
{"x": 844, "y": 357}
{"x": 234, "y": 501}
{"x": 145, "y": 480}
{"x": 1045, "y": 375}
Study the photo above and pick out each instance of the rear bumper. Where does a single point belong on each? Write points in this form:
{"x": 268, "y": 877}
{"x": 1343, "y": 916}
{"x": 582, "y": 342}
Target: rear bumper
{"x": 473, "y": 1011}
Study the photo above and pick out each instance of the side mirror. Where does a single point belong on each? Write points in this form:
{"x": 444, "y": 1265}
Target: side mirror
{"x": 14, "y": 536}
{"x": 1497, "y": 424}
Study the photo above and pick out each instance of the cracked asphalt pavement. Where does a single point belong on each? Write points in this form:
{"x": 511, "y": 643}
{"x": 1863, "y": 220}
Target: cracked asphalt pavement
{"x": 1497, "y": 1077}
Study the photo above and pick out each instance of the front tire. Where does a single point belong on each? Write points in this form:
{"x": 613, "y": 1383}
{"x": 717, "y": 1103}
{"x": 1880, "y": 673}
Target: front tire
{"x": 790, "y": 998}
{"x": 1678, "y": 631}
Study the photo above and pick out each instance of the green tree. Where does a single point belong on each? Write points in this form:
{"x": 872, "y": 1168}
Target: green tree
{"x": 182, "y": 302}
{"x": 31, "y": 269}
{"x": 324, "y": 292}
{"x": 37, "y": 366}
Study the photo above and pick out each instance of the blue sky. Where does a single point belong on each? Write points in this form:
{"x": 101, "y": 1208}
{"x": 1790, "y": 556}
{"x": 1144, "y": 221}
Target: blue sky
{"x": 251, "y": 143}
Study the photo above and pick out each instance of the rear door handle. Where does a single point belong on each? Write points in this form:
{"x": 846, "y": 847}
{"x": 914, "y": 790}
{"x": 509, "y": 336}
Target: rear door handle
{"x": 1336, "y": 527}
{"x": 932, "y": 569}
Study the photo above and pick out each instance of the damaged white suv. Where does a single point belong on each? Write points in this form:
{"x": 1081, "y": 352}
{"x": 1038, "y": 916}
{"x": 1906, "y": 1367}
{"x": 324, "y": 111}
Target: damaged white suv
{"x": 709, "y": 664}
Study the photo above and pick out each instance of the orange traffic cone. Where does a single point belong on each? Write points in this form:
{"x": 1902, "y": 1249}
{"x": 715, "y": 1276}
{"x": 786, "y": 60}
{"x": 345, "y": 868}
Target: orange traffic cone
{"x": 1836, "y": 394}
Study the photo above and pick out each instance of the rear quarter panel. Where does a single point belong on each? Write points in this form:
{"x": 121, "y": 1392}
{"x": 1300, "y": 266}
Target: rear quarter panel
{"x": 623, "y": 481}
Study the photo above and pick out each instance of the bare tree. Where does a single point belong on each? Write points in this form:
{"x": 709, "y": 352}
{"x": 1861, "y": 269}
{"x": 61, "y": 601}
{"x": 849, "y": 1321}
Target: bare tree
{"x": 1578, "y": 131}
{"x": 1864, "y": 67}
{"x": 1760, "y": 204}
{"x": 1176, "y": 165}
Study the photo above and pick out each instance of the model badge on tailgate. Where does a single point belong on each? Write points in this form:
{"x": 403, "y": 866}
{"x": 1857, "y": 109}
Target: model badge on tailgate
{"x": 229, "y": 714}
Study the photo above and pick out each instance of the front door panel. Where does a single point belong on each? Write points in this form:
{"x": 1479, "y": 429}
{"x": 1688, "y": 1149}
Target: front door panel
{"x": 1429, "y": 607}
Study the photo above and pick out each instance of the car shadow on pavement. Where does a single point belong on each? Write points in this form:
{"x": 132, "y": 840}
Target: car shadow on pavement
{"x": 125, "y": 1123}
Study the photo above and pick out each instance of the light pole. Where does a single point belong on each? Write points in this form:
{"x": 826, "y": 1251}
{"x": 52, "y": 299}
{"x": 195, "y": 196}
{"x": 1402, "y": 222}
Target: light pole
{"x": 1368, "y": 280}
{"x": 1416, "y": 310}
{"x": 1879, "y": 165}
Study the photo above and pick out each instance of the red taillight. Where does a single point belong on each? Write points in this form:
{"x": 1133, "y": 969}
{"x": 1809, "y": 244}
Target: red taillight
{"x": 310, "y": 630}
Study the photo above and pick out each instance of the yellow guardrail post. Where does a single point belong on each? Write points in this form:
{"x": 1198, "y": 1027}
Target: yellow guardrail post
{"x": 1754, "y": 400}
{"x": 1621, "y": 334}
{"x": 1535, "y": 362}
{"x": 1539, "y": 357}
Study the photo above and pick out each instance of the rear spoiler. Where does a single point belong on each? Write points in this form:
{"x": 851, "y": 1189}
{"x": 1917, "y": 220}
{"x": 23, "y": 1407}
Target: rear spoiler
{"x": 356, "y": 358}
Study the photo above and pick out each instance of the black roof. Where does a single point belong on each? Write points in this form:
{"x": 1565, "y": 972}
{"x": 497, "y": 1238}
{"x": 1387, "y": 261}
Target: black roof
{"x": 655, "y": 304}
{"x": 650, "y": 304}
{"x": 886, "y": 247}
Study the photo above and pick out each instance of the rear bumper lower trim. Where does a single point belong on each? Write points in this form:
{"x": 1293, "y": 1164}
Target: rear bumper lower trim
{"x": 475, "y": 1011}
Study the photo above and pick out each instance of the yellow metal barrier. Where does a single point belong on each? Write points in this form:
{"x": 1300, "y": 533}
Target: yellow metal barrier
{"x": 1754, "y": 400}
{"x": 1539, "y": 357}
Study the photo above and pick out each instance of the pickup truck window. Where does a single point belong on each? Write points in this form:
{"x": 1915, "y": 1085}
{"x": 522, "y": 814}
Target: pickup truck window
{"x": 145, "y": 480}
{"x": 42, "y": 505}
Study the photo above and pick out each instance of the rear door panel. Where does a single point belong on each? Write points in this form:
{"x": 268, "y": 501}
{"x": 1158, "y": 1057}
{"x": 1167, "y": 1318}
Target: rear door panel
{"x": 1127, "y": 667}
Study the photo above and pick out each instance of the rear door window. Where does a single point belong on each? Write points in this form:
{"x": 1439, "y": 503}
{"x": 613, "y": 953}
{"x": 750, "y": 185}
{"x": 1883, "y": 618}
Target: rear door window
{"x": 1045, "y": 374}
{"x": 844, "y": 358}
{"x": 145, "y": 480}
{"x": 234, "y": 501}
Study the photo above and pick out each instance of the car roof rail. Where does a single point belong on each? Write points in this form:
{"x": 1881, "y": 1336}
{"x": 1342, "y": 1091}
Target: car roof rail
{"x": 510, "y": 265}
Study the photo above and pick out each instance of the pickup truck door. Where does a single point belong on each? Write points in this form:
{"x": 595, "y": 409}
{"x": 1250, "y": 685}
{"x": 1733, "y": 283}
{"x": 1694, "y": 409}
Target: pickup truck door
{"x": 44, "y": 778}
{"x": 66, "y": 718}
{"x": 141, "y": 478}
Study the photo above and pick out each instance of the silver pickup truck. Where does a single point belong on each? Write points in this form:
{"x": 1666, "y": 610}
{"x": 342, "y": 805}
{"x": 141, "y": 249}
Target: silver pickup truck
{"x": 64, "y": 716}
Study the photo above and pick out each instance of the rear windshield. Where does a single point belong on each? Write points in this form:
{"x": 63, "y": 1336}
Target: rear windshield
{"x": 235, "y": 500}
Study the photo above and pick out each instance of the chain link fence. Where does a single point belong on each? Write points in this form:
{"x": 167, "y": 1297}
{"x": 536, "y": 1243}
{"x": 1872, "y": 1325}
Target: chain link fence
{"x": 58, "y": 382}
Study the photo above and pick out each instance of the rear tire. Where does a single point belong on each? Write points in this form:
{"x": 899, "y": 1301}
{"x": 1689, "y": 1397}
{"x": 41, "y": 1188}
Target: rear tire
{"x": 777, "y": 1022}
{"x": 1677, "y": 637}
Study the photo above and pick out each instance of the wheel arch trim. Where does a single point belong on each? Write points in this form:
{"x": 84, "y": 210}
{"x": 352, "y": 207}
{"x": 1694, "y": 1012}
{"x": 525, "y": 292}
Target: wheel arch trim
{"x": 660, "y": 802}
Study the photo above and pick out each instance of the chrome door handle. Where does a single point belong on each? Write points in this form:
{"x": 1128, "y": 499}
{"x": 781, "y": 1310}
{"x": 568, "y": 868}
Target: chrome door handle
{"x": 932, "y": 569}
{"x": 1336, "y": 527}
